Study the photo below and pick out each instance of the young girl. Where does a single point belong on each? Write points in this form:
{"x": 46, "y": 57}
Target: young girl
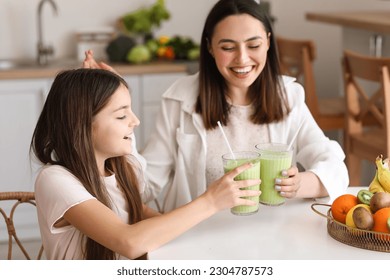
{"x": 88, "y": 191}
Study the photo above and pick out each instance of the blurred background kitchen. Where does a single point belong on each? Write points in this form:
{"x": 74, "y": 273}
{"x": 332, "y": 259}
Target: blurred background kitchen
{"x": 18, "y": 25}
{"x": 58, "y": 30}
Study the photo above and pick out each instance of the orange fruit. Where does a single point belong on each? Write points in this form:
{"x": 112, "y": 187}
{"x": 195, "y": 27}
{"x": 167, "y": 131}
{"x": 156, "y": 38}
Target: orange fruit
{"x": 341, "y": 205}
{"x": 380, "y": 220}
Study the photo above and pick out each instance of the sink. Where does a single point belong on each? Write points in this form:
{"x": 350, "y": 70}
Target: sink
{"x": 14, "y": 64}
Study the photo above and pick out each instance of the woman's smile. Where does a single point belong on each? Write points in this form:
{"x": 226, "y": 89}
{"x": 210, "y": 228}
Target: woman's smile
{"x": 242, "y": 70}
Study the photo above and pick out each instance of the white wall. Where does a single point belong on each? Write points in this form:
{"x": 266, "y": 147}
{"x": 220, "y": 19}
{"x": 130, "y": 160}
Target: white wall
{"x": 18, "y": 22}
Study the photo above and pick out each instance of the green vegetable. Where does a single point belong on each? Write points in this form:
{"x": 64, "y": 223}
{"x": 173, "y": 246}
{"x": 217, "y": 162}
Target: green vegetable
{"x": 181, "y": 46}
{"x": 139, "y": 54}
{"x": 152, "y": 46}
{"x": 144, "y": 20}
{"x": 193, "y": 54}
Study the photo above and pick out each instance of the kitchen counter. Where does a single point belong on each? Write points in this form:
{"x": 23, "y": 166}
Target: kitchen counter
{"x": 292, "y": 231}
{"x": 377, "y": 21}
{"x": 33, "y": 71}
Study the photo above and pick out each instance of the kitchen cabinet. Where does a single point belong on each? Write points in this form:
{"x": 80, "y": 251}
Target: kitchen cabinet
{"x": 20, "y": 105}
{"x": 151, "y": 87}
{"x": 21, "y": 101}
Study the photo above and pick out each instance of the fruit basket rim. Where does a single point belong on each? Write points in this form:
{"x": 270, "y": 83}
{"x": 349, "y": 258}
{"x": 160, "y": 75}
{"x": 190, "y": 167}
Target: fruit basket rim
{"x": 364, "y": 239}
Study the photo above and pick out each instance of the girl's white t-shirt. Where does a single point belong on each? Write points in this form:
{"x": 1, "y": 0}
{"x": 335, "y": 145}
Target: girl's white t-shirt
{"x": 56, "y": 191}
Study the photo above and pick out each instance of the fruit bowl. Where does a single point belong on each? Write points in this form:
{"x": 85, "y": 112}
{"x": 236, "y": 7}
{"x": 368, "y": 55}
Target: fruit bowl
{"x": 364, "y": 239}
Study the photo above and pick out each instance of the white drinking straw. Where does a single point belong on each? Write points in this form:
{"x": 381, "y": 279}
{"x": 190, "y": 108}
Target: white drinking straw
{"x": 227, "y": 142}
{"x": 295, "y": 136}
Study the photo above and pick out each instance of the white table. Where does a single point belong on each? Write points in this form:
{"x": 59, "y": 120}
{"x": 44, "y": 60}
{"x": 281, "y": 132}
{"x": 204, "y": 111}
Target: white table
{"x": 292, "y": 231}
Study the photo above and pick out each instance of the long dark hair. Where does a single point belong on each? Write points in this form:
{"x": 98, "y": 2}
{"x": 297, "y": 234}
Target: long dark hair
{"x": 267, "y": 91}
{"x": 62, "y": 136}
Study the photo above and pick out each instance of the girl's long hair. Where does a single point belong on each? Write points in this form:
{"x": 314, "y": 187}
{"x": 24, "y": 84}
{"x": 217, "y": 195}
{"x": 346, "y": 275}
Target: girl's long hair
{"x": 63, "y": 136}
{"x": 266, "y": 93}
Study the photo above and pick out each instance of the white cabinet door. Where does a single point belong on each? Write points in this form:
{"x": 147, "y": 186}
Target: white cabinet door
{"x": 153, "y": 86}
{"x": 21, "y": 103}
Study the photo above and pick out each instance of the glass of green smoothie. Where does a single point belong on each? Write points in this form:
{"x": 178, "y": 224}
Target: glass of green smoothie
{"x": 274, "y": 158}
{"x": 235, "y": 159}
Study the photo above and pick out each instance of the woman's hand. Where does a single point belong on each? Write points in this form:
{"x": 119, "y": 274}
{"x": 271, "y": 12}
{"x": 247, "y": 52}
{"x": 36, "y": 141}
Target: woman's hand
{"x": 226, "y": 192}
{"x": 90, "y": 62}
{"x": 289, "y": 186}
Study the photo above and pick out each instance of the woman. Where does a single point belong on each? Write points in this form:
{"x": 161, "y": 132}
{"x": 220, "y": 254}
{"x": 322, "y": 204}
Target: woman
{"x": 88, "y": 191}
{"x": 239, "y": 84}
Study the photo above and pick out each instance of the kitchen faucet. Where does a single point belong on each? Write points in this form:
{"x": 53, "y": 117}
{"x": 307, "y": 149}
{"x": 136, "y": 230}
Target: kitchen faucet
{"x": 44, "y": 50}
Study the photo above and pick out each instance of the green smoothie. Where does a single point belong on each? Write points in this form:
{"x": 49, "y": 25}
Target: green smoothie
{"x": 274, "y": 159}
{"x": 251, "y": 173}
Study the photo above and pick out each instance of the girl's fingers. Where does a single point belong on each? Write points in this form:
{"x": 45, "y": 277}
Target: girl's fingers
{"x": 247, "y": 183}
{"x": 233, "y": 173}
{"x": 244, "y": 193}
{"x": 248, "y": 202}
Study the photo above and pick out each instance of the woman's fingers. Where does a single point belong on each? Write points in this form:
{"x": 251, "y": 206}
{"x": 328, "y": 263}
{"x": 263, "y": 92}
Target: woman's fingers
{"x": 90, "y": 62}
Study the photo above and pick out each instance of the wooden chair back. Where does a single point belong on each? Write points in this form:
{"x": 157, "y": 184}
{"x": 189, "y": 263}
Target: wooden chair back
{"x": 367, "y": 93}
{"x": 296, "y": 59}
{"x": 16, "y": 199}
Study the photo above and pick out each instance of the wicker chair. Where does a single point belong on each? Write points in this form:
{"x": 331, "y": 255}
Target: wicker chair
{"x": 16, "y": 199}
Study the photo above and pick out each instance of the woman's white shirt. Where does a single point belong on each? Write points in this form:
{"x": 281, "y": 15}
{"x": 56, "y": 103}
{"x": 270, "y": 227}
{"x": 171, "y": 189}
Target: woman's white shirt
{"x": 176, "y": 152}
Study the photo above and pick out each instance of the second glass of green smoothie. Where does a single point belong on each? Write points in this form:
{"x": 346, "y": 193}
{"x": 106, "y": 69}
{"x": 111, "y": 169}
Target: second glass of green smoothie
{"x": 231, "y": 161}
{"x": 274, "y": 158}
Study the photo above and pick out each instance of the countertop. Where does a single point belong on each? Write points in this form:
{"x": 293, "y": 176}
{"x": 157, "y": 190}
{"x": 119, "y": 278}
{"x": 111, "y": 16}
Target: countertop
{"x": 377, "y": 21}
{"x": 33, "y": 71}
{"x": 292, "y": 231}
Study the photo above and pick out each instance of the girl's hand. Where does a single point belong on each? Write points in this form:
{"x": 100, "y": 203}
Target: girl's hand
{"x": 288, "y": 187}
{"x": 226, "y": 192}
{"x": 90, "y": 62}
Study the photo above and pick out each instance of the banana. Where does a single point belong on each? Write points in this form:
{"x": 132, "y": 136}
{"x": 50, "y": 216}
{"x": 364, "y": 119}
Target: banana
{"x": 383, "y": 173}
{"x": 375, "y": 186}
